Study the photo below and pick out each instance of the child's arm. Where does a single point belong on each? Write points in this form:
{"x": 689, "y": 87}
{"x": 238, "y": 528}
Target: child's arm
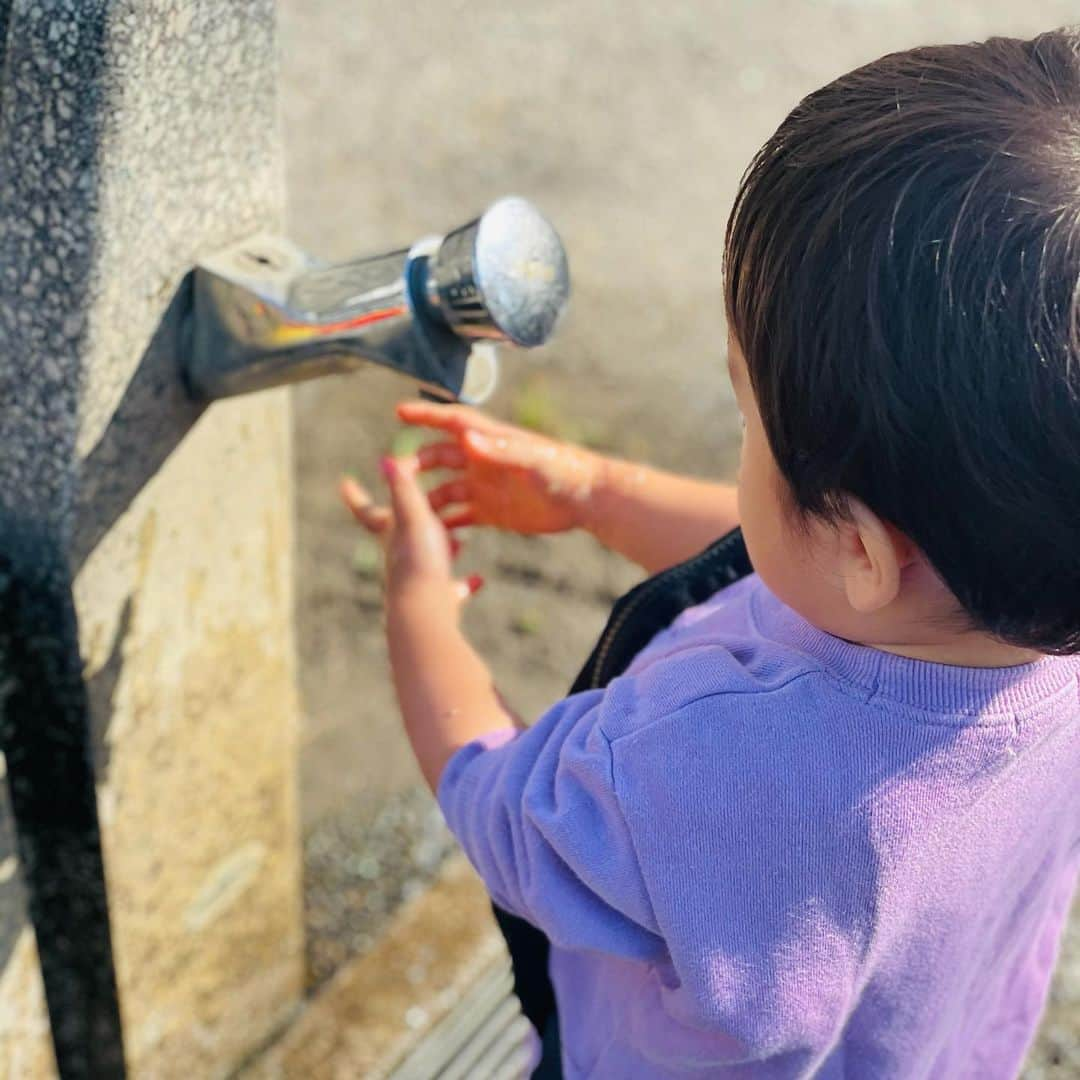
{"x": 445, "y": 690}
{"x": 535, "y": 810}
{"x": 657, "y": 518}
{"x": 518, "y": 480}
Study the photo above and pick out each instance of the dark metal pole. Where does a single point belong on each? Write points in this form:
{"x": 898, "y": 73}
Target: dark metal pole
{"x": 45, "y": 737}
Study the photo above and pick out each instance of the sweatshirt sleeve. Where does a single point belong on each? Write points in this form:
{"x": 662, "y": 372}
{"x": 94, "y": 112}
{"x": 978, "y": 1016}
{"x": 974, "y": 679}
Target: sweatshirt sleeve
{"x": 537, "y": 815}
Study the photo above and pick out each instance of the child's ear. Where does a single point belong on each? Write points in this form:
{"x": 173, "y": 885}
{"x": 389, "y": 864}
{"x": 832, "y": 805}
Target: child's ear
{"x": 873, "y": 555}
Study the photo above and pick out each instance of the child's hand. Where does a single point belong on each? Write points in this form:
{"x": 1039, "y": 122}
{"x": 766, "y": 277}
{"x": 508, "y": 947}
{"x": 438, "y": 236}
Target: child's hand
{"x": 419, "y": 548}
{"x": 508, "y": 477}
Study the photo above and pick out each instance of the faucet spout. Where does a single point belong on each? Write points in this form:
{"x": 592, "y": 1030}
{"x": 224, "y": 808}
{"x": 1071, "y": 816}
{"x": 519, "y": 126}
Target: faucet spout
{"x": 265, "y": 313}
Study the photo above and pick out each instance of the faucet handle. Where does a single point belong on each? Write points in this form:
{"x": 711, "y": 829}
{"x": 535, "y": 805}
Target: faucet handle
{"x": 503, "y": 276}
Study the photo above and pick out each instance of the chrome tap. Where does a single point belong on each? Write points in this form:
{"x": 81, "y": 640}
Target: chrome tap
{"x": 265, "y": 313}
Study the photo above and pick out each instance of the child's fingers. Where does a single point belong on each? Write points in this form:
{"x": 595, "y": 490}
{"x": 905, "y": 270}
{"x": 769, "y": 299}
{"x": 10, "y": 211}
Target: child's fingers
{"x": 469, "y": 587}
{"x": 500, "y": 449}
{"x": 460, "y": 519}
{"x": 376, "y": 519}
{"x": 427, "y": 414}
{"x": 444, "y": 455}
{"x": 407, "y": 498}
{"x": 453, "y": 491}
{"x": 452, "y": 418}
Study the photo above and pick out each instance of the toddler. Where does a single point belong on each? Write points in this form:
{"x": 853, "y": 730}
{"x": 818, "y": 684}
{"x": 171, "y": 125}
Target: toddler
{"x": 827, "y": 822}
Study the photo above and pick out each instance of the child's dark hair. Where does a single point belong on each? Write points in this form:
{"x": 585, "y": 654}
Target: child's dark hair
{"x": 902, "y": 273}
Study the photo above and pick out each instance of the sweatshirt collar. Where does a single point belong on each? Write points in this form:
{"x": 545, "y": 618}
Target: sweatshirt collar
{"x": 938, "y": 688}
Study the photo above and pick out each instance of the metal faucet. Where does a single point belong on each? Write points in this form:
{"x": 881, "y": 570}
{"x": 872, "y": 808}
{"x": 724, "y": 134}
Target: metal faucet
{"x": 265, "y": 313}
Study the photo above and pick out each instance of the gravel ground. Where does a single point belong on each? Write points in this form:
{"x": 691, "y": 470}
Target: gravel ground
{"x": 1056, "y": 1054}
{"x": 360, "y": 868}
{"x": 629, "y": 122}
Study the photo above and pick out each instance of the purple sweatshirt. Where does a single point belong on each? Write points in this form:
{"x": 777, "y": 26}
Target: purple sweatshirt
{"x": 766, "y": 852}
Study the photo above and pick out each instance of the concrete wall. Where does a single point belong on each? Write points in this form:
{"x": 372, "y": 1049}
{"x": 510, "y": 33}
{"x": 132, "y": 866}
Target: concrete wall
{"x": 134, "y": 138}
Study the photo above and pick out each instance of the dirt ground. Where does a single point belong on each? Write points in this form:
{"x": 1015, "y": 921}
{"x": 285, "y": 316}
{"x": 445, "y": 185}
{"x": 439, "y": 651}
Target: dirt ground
{"x": 629, "y": 123}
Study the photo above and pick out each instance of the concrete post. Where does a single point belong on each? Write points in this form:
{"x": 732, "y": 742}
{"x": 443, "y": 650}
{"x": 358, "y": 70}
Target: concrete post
{"x": 135, "y": 137}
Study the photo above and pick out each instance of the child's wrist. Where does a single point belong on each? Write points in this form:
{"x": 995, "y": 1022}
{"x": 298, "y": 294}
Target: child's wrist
{"x": 604, "y": 489}
{"x": 422, "y": 597}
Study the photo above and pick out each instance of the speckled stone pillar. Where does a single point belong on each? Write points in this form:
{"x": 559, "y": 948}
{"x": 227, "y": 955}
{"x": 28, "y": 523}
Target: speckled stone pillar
{"x": 136, "y": 137}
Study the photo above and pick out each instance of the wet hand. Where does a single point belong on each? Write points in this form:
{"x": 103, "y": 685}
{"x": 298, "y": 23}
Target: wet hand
{"x": 419, "y": 547}
{"x": 505, "y": 476}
